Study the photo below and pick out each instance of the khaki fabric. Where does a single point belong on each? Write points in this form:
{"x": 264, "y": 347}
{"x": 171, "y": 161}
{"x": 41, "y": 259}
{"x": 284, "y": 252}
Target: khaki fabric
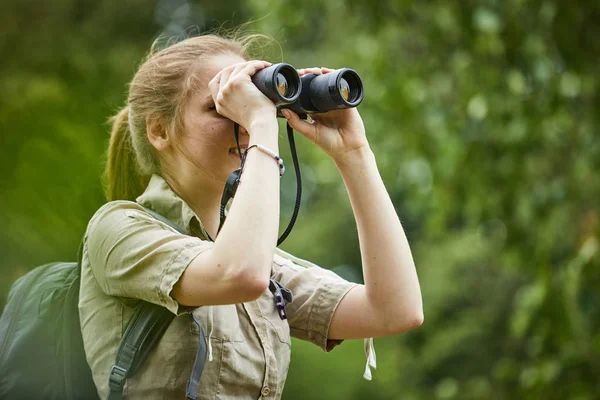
{"x": 128, "y": 256}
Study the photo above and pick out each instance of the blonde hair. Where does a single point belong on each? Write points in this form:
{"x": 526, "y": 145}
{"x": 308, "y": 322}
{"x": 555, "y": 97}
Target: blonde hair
{"x": 159, "y": 89}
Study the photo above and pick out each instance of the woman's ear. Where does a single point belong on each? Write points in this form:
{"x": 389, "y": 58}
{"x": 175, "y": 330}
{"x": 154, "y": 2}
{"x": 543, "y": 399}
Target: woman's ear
{"x": 157, "y": 132}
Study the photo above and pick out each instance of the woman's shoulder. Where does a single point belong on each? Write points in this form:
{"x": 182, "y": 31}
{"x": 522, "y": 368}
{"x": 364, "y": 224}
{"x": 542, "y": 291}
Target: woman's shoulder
{"x": 112, "y": 215}
{"x": 287, "y": 266}
{"x": 283, "y": 258}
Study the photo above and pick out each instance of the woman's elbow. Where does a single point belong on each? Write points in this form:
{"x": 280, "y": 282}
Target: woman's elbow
{"x": 416, "y": 320}
{"x": 405, "y": 322}
{"x": 255, "y": 287}
{"x": 250, "y": 284}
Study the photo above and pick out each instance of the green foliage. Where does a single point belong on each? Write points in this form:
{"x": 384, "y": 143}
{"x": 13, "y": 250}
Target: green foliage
{"x": 482, "y": 115}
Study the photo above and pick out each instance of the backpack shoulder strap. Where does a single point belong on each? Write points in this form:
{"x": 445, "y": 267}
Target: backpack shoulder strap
{"x": 148, "y": 324}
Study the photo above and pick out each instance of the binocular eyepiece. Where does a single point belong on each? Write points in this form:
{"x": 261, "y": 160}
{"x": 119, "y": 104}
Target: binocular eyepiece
{"x": 309, "y": 93}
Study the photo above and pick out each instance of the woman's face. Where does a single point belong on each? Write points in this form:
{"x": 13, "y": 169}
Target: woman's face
{"x": 208, "y": 137}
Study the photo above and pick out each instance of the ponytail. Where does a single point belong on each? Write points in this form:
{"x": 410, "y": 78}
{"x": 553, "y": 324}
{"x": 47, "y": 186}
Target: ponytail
{"x": 122, "y": 178}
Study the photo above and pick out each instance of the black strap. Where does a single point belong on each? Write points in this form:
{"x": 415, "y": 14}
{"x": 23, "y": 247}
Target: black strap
{"x": 193, "y": 384}
{"x": 148, "y": 324}
{"x": 234, "y": 180}
{"x": 292, "y": 142}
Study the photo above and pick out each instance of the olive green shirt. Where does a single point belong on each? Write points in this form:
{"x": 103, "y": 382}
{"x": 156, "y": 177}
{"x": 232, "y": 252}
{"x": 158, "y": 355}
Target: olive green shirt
{"x": 128, "y": 255}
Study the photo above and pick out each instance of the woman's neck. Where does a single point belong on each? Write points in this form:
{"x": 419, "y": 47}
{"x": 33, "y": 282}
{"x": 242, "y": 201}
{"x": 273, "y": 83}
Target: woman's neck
{"x": 203, "y": 196}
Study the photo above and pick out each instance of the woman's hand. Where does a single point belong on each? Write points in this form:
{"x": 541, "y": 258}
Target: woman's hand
{"x": 237, "y": 98}
{"x": 337, "y": 132}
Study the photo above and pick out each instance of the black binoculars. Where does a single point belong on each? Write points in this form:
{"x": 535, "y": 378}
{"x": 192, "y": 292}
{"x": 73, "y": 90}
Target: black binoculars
{"x": 309, "y": 93}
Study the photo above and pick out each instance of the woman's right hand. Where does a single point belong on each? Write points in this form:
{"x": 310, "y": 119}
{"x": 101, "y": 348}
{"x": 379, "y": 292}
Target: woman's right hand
{"x": 237, "y": 98}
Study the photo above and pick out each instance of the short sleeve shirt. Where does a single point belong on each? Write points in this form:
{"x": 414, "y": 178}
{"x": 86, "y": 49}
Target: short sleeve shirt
{"x": 129, "y": 256}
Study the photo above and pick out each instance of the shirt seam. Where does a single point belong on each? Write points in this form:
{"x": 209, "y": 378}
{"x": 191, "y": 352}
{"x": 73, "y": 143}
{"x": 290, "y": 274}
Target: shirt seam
{"x": 314, "y": 334}
{"x": 165, "y": 297}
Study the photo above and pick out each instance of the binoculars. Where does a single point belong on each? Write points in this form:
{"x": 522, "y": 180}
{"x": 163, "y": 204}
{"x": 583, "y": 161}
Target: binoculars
{"x": 309, "y": 93}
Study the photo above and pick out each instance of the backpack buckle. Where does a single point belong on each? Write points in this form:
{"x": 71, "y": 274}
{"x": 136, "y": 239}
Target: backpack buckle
{"x": 116, "y": 381}
{"x": 280, "y": 293}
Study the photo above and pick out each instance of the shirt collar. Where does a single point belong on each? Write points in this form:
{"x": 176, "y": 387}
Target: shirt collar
{"x": 159, "y": 197}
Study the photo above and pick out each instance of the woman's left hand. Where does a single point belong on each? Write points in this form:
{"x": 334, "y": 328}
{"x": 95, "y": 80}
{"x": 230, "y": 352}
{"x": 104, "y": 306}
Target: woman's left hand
{"x": 337, "y": 132}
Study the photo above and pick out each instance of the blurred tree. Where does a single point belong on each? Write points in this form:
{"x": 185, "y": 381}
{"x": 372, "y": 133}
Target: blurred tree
{"x": 482, "y": 115}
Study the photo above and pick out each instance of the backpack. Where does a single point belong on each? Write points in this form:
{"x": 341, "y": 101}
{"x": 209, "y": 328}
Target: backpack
{"x": 41, "y": 345}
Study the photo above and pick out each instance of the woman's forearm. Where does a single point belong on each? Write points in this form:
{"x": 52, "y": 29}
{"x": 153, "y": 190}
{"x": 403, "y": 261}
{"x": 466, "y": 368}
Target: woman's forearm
{"x": 391, "y": 282}
{"x": 249, "y": 235}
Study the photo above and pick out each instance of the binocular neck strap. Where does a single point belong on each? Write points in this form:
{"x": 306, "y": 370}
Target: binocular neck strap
{"x": 287, "y": 231}
{"x": 234, "y": 180}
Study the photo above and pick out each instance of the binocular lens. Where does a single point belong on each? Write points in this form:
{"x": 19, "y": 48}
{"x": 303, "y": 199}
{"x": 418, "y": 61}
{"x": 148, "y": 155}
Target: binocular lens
{"x": 344, "y": 89}
{"x": 282, "y": 85}
{"x": 279, "y": 82}
{"x": 350, "y": 87}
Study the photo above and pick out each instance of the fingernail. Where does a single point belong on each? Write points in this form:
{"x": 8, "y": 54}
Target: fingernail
{"x": 286, "y": 114}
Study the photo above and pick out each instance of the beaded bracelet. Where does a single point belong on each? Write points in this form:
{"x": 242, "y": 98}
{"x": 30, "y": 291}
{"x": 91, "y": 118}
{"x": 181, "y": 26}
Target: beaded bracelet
{"x": 265, "y": 150}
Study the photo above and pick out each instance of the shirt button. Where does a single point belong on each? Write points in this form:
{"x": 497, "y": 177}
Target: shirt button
{"x": 266, "y": 391}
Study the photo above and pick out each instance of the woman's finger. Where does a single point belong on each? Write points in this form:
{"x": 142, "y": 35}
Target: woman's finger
{"x": 253, "y": 67}
{"x": 225, "y": 74}
{"x": 248, "y": 66}
{"x": 214, "y": 85}
{"x": 243, "y": 68}
{"x": 304, "y": 71}
{"x": 308, "y": 130}
{"x": 237, "y": 68}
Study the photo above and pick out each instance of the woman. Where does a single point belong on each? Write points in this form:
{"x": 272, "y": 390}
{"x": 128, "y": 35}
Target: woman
{"x": 171, "y": 150}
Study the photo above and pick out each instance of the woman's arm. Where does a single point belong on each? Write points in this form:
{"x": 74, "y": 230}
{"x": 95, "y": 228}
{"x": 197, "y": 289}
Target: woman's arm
{"x": 237, "y": 268}
{"x": 390, "y": 300}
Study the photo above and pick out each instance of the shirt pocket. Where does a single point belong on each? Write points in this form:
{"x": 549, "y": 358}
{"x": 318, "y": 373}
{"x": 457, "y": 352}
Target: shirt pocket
{"x": 225, "y": 323}
{"x": 269, "y": 312}
{"x": 169, "y": 364}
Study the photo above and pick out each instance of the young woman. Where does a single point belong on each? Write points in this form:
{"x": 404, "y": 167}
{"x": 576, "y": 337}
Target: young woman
{"x": 171, "y": 149}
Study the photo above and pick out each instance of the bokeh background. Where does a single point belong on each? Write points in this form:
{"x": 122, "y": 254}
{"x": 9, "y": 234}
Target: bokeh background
{"x": 483, "y": 115}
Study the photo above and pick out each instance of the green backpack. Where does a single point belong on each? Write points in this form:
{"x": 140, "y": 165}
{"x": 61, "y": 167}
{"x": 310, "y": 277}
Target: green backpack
{"x": 41, "y": 346}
